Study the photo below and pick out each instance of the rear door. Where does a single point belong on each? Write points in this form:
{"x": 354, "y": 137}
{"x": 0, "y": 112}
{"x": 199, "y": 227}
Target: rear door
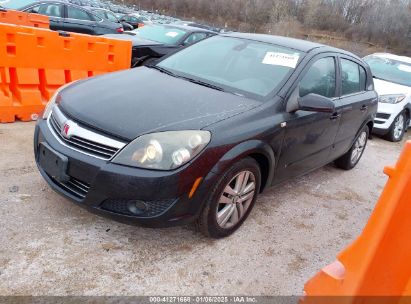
{"x": 309, "y": 136}
{"x": 79, "y": 21}
{"x": 355, "y": 101}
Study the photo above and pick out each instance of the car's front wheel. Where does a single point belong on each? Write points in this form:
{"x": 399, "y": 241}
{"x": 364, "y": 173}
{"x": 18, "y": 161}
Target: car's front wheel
{"x": 231, "y": 200}
{"x": 350, "y": 159}
{"x": 398, "y": 128}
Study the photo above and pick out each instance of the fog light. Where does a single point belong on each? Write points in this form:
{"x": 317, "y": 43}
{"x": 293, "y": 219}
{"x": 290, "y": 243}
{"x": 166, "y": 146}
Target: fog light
{"x": 137, "y": 207}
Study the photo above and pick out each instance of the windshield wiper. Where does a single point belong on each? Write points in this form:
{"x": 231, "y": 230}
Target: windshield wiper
{"x": 196, "y": 81}
{"x": 163, "y": 70}
{"x": 204, "y": 84}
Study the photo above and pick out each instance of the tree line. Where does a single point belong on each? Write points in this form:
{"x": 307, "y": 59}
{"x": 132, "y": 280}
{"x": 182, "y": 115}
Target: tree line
{"x": 386, "y": 23}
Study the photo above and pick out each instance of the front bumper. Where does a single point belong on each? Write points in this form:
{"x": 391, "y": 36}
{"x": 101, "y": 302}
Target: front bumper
{"x": 114, "y": 191}
{"x": 385, "y": 116}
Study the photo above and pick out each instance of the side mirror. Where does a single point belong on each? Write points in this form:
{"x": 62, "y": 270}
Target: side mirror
{"x": 316, "y": 103}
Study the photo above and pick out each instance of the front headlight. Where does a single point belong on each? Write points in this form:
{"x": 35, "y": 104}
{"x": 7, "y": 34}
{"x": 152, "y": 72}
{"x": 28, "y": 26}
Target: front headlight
{"x": 163, "y": 151}
{"x": 393, "y": 98}
{"x": 53, "y": 100}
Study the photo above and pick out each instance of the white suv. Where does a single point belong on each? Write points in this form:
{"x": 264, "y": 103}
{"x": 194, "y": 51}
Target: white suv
{"x": 392, "y": 80}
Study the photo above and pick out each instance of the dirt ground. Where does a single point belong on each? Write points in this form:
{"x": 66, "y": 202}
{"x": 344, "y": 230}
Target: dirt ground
{"x": 49, "y": 246}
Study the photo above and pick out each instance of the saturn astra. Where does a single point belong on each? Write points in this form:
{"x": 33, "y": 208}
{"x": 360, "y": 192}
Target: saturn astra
{"x": 197, "y": 136}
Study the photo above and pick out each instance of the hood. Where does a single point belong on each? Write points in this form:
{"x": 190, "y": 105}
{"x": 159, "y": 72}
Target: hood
{"x": 385, "y": 87}
{"x": 136, "y": 40}
{"x": 134, "y": 102}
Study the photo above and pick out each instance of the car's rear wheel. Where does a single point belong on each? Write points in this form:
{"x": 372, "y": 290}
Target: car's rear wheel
{"x": 350, "y": 159}
{"x": 231, "y": 200}
{"x": 398, "y": 128}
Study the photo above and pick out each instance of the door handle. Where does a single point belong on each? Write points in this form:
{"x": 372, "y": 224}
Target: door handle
{"x": 364, "y": 108}
{"x": 335, "y": 116}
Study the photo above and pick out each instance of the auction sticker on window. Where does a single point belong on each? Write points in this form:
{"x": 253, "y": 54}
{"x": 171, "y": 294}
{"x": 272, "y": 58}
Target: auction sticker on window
{"x": 405, "y": 68}
{"x": 172, "y": 34}
{"x": 281, "y": 59}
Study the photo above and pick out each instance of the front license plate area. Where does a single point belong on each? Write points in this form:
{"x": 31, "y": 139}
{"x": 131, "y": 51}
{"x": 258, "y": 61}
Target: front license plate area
{"x": 53, "y": 163}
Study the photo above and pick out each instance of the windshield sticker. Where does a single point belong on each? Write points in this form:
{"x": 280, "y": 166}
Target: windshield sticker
{"x": 281, "y": 59}
{"x": 405, "y": 68}
{"x": 172, "y": 34}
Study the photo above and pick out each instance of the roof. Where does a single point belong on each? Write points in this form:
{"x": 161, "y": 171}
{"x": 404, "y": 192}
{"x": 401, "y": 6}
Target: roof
{"x": 393, "y": 57}
{"x": 297, "y": 44}
{"x": 293, "y": 43}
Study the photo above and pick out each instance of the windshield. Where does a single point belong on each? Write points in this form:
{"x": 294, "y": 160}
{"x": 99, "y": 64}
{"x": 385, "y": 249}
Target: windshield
{"x": 15, "y": 4}
{"x": 240, "y": 66}
{"x": 390, "y": 70}
{"x": 162, "y": 34}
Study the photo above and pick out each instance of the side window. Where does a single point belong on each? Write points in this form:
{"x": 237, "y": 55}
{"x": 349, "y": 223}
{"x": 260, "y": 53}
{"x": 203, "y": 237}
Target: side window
{"x": 34, "y": 10}
{"x": 52, "y": 10}
{"x": 320, "y": 79}
{"x": 353, "y": 77}
{"x": 193, "y": 38}
{"x": 76, "y": 13}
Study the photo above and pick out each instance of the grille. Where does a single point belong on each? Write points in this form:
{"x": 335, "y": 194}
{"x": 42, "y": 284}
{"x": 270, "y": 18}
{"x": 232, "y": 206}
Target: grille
{"x": 82, "y": 144}
{"x": 383, "y": 116}
{"x": 74, "y": 186}
{"x": 153, "y": 208}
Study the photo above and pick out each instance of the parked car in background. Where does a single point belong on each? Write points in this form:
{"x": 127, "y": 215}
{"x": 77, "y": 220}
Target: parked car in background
{"x": 155, "y": 41}
{"x": 69, "y": 17}
{"x": 136, "y": 20}
{"x": 392, "y": 76}
{"x": 110, "y": 16}
{"x": 199, "y": 25}
{"x": 199, "y": 135}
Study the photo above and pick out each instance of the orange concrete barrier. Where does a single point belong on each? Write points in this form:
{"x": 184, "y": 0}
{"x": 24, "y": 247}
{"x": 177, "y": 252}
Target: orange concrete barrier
{"x": 21, "y": 18}
{"x": 378, "y": 263}
{"x": 35, "y": 62}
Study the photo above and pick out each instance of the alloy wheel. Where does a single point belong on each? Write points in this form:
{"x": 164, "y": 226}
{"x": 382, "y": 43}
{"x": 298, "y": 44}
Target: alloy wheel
{"x": 399, "y": 126}
{"x": 359, "y": 147}
{"x": 236, "y": 199}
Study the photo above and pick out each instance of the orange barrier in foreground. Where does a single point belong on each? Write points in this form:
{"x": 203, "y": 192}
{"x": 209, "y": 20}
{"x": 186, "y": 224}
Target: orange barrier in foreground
{"x": 378, "y": 263}
{"x": 21, "y": 18}
{"x": 35, "y": 62}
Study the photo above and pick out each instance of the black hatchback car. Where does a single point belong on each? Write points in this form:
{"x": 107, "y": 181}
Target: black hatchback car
{"x": 196, "y": 137}
{"x": 69, "y": 17}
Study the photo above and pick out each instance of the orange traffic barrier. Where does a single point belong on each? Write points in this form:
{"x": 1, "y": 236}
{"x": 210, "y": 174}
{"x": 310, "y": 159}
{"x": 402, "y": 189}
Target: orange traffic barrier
{"x": 35, "y": 62}
{"x": 21, "y": 18}
{"x": 378, "y": 263}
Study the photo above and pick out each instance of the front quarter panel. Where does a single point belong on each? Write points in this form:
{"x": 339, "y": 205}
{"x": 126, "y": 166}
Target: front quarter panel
{"x": 256, "y": 132}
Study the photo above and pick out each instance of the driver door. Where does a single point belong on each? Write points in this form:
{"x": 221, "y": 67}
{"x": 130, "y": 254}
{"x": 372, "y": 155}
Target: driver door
{"x": 309, "y": 136}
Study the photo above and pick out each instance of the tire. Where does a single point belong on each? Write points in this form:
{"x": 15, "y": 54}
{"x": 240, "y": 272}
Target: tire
{"x": 350, "y": 159}
{"x": 220, "y": 202}
{"x": 397, "y": 129}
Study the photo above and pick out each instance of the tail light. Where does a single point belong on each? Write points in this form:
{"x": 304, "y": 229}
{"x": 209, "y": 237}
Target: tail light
{"x": 120, "y": 30}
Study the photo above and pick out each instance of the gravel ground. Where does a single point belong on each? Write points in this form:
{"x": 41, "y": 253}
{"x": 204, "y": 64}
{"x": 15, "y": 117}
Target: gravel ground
{"x": 49, "y": 246}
